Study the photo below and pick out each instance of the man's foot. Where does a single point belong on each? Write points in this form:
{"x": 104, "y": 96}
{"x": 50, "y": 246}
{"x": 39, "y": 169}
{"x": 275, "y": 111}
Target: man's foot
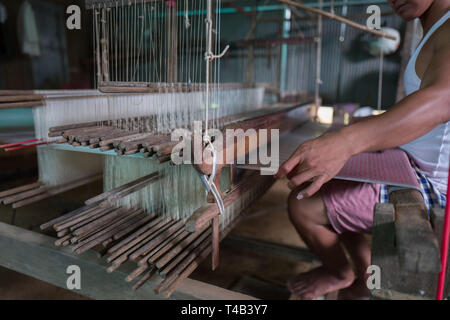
{"x": 357, "y": 291}
{"x": 318, "y": 282}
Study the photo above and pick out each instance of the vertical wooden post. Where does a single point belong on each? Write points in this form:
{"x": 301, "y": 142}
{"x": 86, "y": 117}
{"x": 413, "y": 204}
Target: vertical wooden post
{"x": 105, "y": 48}
{"x": 250, "y": 72}
{"x": 215, "y": 242}
{"x": 172, "y": 45}
{"x": 97, "y": 49}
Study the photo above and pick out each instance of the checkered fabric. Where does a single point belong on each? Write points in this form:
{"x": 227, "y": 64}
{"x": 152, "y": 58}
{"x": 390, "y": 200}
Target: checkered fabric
{"x": 432, "y": 197}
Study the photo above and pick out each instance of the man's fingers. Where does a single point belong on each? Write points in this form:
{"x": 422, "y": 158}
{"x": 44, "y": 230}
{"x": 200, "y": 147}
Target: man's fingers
{"x": 298, "y": 179}
{"x": 287, "y": 166}
{"x": 312, "y": 188}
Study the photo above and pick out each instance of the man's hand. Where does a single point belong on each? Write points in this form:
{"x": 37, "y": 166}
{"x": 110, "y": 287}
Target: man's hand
{"x": 316, "y": 161}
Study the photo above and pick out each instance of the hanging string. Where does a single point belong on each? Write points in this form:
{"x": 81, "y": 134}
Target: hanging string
{"x": 318, "y": 39}
{"x": 380, "y": 76}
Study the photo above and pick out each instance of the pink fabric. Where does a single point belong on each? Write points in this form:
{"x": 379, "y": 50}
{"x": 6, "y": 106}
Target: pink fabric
{"x": 350, "y": 204}
{"x": 391, "y": 166}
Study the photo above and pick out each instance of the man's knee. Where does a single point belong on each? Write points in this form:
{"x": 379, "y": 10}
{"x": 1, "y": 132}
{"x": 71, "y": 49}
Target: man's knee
{"x": 306, "y": 209}
{"x": 297, "y": 209}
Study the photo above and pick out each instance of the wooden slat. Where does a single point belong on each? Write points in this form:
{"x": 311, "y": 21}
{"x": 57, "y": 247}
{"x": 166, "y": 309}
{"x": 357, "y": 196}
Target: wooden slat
{"x": 395, "y": 280}
{"x": 29, "y": 104}
{"x": 416, "y": 243}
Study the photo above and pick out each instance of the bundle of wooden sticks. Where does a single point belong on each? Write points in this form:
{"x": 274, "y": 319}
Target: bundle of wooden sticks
{"x": 105, "y": 136}
{"x": 37, "y": 191}
{"x": 172, "y": 249}
{"x": 98, "y": 135}
{"x": 20, "y": 99}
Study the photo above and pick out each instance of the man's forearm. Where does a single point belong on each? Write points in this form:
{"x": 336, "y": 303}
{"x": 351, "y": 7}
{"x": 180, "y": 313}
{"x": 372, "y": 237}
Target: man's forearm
{"x": 409, "y": 119}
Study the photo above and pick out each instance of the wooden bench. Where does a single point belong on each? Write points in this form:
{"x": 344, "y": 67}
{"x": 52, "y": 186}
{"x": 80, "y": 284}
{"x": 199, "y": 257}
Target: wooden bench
{"x": 406, "y": 246}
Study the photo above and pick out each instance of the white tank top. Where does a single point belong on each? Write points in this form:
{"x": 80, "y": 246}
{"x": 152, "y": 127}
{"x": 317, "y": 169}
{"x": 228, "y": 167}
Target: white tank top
{"x": 431, "y": 152}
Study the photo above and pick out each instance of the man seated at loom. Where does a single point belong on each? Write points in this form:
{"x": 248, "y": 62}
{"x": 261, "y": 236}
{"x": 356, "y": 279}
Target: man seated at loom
{"x": 328, "y": 214}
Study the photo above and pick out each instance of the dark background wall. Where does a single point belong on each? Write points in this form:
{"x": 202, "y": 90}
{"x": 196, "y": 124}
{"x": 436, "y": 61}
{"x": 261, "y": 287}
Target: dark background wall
{"x": 64, "y": 53}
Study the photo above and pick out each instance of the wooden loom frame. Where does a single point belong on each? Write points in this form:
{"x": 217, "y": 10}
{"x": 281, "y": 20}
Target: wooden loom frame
{"x": 20, "y": 246}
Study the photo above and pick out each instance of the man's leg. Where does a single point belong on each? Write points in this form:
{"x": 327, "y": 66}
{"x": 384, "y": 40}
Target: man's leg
{"x": 359, "y": 250}
{"x": 310, "y": 220}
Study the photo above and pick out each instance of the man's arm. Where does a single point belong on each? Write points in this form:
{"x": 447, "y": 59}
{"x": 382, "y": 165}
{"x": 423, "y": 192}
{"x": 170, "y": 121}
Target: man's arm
{"x": 413, "y": 116}
{"x": 320, "y": 159}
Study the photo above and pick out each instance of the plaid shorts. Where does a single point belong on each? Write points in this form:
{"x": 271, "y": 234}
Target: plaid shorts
{"x": 432, "y": 197}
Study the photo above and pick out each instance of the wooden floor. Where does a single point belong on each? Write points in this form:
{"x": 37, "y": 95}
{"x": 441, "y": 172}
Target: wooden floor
{"x": 259, "y": 273}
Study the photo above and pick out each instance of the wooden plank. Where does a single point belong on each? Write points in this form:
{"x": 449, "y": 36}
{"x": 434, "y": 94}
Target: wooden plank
{"x": 35, "y": 255}
{"x": 395, "y": 279}
{"x": 215, "y": 242}
{"x": 416, "y": 243}
{"x": 29, "y": 104}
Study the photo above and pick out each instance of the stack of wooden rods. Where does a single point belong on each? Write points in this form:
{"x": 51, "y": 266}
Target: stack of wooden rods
{"x": 126, "y": 234}
{"x": 20, "y": 99}
{"x": 156, "y": 244}
{"x": 106, "y": 137}
{"x": 158, "y": 146}
{"x": 21, "y": 196}
{"x": 34, "y": 192}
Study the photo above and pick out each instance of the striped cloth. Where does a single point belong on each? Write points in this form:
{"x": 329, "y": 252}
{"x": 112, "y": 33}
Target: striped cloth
{"x": 433, "y": 198}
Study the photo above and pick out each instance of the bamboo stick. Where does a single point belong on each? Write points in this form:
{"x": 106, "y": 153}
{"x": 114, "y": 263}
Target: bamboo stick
{"x": 124, "y": 250}
{"x": 63, "y": 239}
{"x": 167, "y": 268}
{"x": 339, "y": 18}
{"x": 84, "y": 246}
{"x": 31, "y": 200}
{"x": 131, "y": 190}
{"x": 9, "y": 192}
{"x": 175, "y": 237}
{"x": 116, "y": 190}
{"x": 28, "y": 104}
{"x": 136, "y": 273}
{"x": 131, "y": 227}
{"x": 156, "y": 221}
{"x": 114, "y": 227}
{"x": 21, "y": 98}
{"x": 16, "y": 92}
{"x": 184, "y": 274}
{"x": 158, "y": 238}
{"x": 78, "y": 218}
{"x": 144, "y": 278}
{"x": 92, "y": 217}
{"x": 101, "y": 221}
{"x": 24, "y": 195}
{"x": 67, "y": 216}
{"x": 197, "y": 251}
{"x": 198, "y": 260}
{"x": 63, "y": 233}
{"x": 160, "y": 263}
